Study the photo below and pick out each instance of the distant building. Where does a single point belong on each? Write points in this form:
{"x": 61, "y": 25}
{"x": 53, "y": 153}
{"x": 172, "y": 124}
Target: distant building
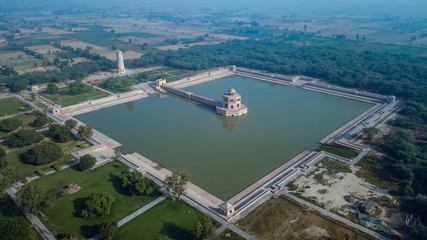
{"x": 232, "y": 104}
{"x": 120, "y": 63}
{"x": 34, "y": 88}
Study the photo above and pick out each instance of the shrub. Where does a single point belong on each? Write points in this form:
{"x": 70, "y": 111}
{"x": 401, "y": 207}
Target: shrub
{"x": 60, "y": 133}
{"x": 58, "y": 167}
{"x": 137, "y": 184}
{"x": 87, "y": 162}
{"x": 40, "y": 121}
{"x": 70, "y": 123}
{"x": 40, "y": 172}
{"x": 98, "y": 204}
{"x": 42, "y": 154}
{"x": 10, "y": 124}
{"x": 108, "y": 230}
{"x": 24, "y": 138}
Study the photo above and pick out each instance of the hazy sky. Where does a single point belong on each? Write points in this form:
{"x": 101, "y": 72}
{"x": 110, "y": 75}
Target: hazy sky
{"x": 405, "y": 7}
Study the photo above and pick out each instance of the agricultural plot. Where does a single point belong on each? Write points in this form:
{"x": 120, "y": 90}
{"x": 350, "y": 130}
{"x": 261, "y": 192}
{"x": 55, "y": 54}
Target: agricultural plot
{"x": 64, "y": 216}
{"x": 103, "y": 51}
{"x": 19, "y": 60}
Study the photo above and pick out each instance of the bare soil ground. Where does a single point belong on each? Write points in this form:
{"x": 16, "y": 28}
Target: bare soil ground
{"x": 44, "y": 49}
{"x": 108, "y": 53}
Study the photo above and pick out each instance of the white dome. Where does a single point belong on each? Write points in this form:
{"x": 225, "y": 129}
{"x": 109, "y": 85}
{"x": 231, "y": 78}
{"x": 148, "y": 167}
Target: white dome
{"x": 232, "y": 90}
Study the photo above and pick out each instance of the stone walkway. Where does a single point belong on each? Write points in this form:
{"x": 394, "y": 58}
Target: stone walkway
{"x": 141, "y": 210}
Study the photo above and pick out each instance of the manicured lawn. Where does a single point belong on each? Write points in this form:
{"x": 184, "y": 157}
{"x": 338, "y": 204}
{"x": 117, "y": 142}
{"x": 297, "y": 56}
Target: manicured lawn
{"x": 171, "y": 74}
{"x": 10, "y": 106}
{"x": 338, "y": 151}
{"x": 64, "y": 216}
{"x": 27, "y": 121}
{"x": 284, "y": 219}
{"x": 27, "y": 170}
{"x": 168, "y": 218}
{"x": 64, "y": 99}
{"x": 118, "y": 89}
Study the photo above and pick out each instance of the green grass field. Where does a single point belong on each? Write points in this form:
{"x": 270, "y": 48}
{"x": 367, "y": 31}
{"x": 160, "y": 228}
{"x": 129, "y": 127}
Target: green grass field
{"x": 119, "y": 89}
{"x": 232, "y": 235}
{"x": 64, "y": 99}
{"x": 171, "y": 74}
{"x": 10, "y": 106}
{"x": 64, "y": 216}
{"x": 281, "y": 218}
{"x": 26, "y": 170}
{"x": 27, "y": 123}
{"x": 338, "y": 151}
{"x": 168, "y": 218}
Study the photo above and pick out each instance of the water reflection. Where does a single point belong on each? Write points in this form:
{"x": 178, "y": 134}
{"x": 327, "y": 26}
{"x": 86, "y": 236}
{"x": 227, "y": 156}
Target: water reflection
{"x": 231, "y": 123}
{"x": 130, "y": 106}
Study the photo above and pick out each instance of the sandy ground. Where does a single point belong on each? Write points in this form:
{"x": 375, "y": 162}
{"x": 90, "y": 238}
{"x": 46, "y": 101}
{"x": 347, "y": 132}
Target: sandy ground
{"x": 331, "y": 192}
{"x": 44, "y": 49}
{"x": 7, "y": 56}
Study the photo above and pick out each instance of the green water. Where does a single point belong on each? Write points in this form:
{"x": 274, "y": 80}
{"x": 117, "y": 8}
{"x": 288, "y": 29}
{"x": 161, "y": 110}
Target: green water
{"x": 225, "y": 155}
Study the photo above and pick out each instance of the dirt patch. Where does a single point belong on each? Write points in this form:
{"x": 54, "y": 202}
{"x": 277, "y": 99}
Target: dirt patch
{"x": 103, "y": 51}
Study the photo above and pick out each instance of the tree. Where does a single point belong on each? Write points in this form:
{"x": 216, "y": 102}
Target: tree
{"x": 60, "y": 133}
{"x": 108, "y": 230}
{"x": 18, "y": 87}
{"x": 31, "y": 199}
{"x": 127, "y": 82}
{"x": 14, "y": 228}
{"x": 136, "y": 183}
{"x": 42, "y": 154}
{"x": 8, "y": 175}
{"x": 370, "y": 133}
{"x": 87, "y": 162}
{"x": 85, "y": 131}
{"x": 70, "y": 236}
{"x": 51, "y": 88}
{"x": 70, "y": 123}
{"x": 23, "y": 138}
{"x": 205, "y": 230}
{"x": 2, "y": 153}
{"x": 10, "y": 124}
{"x": 405, "y": 187}
{"x": 40, "y": 121}
{"x": 76, "y": 88}
{"x": 176, "y": 183}
{"x": 98, "y": 204}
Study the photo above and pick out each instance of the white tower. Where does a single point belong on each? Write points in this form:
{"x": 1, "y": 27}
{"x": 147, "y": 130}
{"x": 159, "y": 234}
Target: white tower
{"x": 120, "y": 62}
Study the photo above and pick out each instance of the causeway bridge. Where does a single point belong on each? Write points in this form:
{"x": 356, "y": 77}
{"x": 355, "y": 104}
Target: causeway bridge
{"x": 192, "y": 96}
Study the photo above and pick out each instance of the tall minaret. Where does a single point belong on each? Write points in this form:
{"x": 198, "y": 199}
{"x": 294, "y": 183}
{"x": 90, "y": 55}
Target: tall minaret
{"x": 120, "y": 63}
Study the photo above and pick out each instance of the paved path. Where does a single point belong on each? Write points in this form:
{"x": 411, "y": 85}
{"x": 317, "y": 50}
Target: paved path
{"x": 100, "y": 89}
{"x": 336, "y": 217}
{"x": 141, "y": 210}
{"x": 44, "y": 232}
